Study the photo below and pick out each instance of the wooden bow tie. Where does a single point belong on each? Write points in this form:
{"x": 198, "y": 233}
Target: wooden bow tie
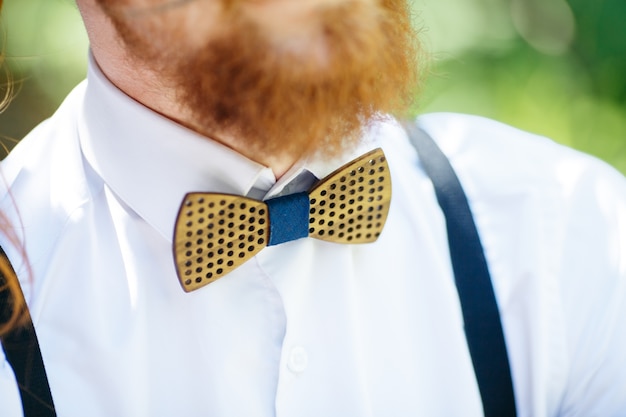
{"x": 216, "y": 233}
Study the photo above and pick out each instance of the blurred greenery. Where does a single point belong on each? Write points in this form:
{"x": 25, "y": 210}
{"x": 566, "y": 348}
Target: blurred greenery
{"x": 553, "y": 67}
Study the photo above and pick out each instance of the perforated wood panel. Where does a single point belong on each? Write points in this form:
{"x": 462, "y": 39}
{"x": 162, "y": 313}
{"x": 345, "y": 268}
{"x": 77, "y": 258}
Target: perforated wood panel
{"x": 351, "y": 205}
{"x": 215, "y": 234}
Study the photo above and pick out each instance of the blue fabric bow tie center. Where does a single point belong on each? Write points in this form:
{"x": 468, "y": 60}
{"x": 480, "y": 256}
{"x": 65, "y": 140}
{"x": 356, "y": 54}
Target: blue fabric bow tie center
{"x": 288, "y": 218}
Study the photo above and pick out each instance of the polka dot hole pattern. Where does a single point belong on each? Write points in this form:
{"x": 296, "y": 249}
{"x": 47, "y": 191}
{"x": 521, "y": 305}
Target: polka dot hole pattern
{"x": 216, "y": 234}
{"x": 352, "y": 206}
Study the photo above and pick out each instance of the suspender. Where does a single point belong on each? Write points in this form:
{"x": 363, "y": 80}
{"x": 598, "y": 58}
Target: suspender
{"x": 480, "y": 311}
{"x": 21, "y": 349}
{"x": 483, "y": 329}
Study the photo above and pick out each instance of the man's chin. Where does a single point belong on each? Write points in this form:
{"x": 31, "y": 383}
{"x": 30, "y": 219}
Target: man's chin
{"x": 281, "y": 101}
{"x": 292, "y": 95}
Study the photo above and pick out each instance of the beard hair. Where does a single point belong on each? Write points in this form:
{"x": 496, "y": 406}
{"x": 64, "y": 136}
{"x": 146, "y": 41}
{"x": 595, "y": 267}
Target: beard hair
{"x": 277, "y": 101}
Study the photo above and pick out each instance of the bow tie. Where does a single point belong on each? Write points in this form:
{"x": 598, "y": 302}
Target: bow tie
{"x": 216, "y": 233}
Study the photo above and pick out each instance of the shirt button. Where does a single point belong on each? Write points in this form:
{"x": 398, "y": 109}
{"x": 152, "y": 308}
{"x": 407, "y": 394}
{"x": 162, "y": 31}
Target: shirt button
{"x": 298, "y": 359}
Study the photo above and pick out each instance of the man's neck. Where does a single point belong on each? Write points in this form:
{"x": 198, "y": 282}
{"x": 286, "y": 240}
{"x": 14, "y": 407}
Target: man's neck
{"x": 152, "y": 90}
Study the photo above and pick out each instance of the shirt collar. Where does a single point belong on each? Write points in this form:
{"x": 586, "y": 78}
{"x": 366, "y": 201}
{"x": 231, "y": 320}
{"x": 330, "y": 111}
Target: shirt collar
{"x": 150, "y": 162}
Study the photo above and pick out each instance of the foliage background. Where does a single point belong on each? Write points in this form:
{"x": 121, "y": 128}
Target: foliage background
{"x": 553, "y": 67}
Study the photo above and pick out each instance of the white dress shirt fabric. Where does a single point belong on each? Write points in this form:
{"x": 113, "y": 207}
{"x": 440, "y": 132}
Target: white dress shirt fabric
{"x": 309, "y": 328}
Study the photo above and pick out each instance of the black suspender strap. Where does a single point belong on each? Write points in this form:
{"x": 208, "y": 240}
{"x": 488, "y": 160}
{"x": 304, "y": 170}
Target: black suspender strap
{"x": 21, "y": 349}
{"x": 483, "y": 329}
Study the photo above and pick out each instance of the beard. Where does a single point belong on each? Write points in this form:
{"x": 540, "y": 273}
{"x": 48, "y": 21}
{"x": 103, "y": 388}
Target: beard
{"x": 357, "y": 64}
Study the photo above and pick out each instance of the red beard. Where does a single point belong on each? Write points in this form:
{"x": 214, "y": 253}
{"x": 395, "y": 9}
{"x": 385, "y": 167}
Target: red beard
{"x": 275, "y": 101}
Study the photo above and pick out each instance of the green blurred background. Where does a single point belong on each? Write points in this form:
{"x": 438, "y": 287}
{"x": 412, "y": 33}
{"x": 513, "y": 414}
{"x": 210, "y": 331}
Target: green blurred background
{"x": 553, "y": 67}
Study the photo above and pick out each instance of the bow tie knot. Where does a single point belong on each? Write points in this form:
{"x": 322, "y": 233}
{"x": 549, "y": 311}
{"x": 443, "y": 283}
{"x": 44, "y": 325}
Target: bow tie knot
{"x": 216, "y": 233}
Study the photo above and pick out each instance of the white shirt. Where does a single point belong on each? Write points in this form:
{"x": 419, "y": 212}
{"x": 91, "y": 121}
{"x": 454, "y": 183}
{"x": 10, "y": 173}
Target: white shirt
{"x": 309, "y": 328}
